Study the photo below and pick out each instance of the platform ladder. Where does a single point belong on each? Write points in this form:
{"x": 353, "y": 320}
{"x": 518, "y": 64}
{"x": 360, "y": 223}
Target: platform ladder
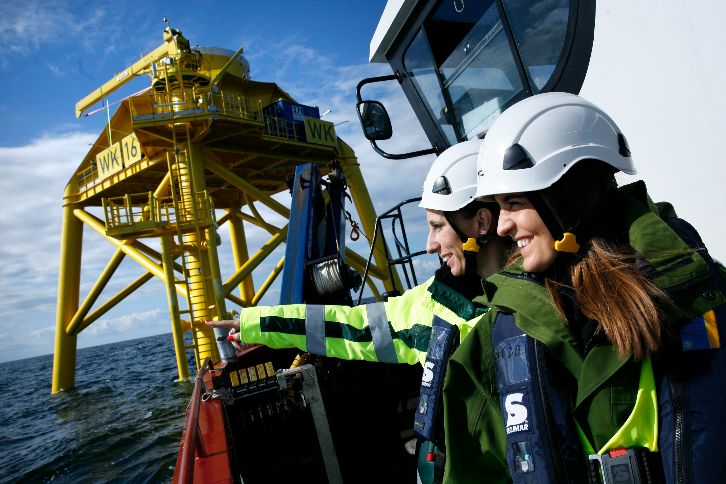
{"x": 194, "y": 214}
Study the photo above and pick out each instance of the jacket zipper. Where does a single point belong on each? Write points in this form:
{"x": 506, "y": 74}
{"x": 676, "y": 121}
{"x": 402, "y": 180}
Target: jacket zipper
{"x": 678, "y": 461}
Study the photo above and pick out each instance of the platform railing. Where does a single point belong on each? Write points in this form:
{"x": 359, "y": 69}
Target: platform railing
{"x": 191, "y": 102}
{"x": 132, "y": 214}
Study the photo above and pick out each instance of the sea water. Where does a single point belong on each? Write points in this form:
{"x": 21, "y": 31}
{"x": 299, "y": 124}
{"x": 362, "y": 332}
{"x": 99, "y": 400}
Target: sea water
{"x": 121, "y": 423}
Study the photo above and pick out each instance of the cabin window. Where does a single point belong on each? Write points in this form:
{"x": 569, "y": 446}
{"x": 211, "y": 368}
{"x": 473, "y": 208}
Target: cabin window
{"x": 539, "y": 29}
{"x": 465, "y": 69}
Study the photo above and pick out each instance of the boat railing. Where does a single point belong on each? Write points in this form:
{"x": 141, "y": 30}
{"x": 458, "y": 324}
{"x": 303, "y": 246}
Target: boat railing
{"x": 145, "y": 214}
{"x": 190, "y": 442}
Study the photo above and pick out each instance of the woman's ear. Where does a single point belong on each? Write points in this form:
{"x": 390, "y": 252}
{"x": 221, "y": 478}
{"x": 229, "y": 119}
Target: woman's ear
{"x": 484, "y": 220}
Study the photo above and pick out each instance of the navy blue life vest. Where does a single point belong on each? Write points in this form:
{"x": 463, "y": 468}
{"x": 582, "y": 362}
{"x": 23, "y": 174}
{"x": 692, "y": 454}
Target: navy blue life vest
{"x": 542, "y": 443}
{"x": 428, "y": 423}
{"x": 535, "y": 400}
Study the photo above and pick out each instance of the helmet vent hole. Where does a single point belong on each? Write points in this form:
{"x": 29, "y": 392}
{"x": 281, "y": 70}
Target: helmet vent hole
{"x": 442, "y": 186}
{"x": 515, "y": 158}
{"x": 623, "y": 146}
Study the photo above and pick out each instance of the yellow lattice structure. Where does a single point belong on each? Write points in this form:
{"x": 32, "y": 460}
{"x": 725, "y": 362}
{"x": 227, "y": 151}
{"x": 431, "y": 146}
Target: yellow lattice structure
{"x": 194, "y": 151}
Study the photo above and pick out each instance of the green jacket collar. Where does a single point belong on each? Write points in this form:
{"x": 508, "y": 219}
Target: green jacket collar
{"x": 674, "y": 267}
{"x": 535, "y": 315}
{"x": 463, "y": 307}
{"x": 652, "y": 238}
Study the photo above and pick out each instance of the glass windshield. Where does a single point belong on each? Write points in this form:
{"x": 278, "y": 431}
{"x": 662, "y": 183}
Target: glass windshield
{"x": 464, "y": 69}
{"x": 539, "y": 29}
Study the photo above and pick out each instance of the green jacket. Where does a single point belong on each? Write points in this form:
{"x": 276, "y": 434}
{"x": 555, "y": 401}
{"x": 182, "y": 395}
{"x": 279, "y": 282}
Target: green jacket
{"x": 606, "y": 382}
{"x": 395, "y": 331}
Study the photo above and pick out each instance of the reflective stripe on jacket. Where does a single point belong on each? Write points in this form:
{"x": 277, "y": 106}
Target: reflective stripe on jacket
{"x": 395, "y": 331}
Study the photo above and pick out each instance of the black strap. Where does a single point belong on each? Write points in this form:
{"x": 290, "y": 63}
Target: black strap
{"x": 439, "y": 461}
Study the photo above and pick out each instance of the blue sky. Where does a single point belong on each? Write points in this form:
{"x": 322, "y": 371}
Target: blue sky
{"x": 57, "y": 52}
{"x": 659, "y": 73}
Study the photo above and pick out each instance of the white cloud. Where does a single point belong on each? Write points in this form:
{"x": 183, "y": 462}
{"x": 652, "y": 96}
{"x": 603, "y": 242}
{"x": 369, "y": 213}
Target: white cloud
{"x": 31, "y": 25}
{"x": 46, "y": 332}
{"x": 31, "y": 193}
{"x": 155, "y": 319}
{"x": 35, "y": 176}
{"x": 22, "y": 32}
{"x": 56, "y": 70}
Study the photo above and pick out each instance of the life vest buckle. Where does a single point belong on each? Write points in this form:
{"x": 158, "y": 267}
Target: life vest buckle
{"x": 625, "y": 466}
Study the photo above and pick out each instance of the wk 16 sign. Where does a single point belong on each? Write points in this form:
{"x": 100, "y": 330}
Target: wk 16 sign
{"x": 117, "y": 156}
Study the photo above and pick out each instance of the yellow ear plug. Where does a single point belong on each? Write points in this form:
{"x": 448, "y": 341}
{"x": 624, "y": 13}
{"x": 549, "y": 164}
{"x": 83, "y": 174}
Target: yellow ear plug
{"x": 471, "y": 245}
{"x": 567, "y": 244}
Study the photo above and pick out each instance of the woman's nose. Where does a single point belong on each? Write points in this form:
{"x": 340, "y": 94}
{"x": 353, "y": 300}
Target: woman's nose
{"x": 504, "y": 225}
{"x": 432, "y": 246}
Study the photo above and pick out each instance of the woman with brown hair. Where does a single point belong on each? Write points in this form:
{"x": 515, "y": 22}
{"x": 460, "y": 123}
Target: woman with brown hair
{"x": 600, "y": 359}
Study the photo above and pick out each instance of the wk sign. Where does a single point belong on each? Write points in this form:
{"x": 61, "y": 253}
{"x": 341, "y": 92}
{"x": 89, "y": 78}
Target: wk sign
{"x": 320, "y": 132}
{"x": 117, "y": 156}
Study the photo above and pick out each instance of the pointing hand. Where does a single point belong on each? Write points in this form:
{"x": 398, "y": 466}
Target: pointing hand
{"x": 233, "y": 326}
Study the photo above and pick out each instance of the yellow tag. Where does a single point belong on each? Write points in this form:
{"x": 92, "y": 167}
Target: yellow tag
{"x": 130, "y": 149}
{"x": 567, "y": 244}
{"x": 261, "y": 371}
{"x": 243, "y": 376}
{"x": 320, "y": 132}
{"x": 234, "y": 378}
{"x": 252, "y": 373}
{"x": 270, "y": 369}
{"x": 109, "y": 161}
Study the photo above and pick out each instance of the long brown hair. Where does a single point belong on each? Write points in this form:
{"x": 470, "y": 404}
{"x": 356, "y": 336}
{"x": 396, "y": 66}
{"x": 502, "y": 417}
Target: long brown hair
{"x": 608, "y": 285}
{"x": 611, "y": 290}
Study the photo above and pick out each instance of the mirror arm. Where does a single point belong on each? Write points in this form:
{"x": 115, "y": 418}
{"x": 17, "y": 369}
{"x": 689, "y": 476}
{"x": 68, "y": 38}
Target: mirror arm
{"x": 403, "y": 156}
{"x": 376, "y": 148}
{"x": 370, "y": 80}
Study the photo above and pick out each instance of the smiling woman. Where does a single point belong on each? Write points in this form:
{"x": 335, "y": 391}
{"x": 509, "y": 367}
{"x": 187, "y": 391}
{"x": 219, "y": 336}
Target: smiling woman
{"x": 519, "y": 220}
{"x": 605, "y": 328}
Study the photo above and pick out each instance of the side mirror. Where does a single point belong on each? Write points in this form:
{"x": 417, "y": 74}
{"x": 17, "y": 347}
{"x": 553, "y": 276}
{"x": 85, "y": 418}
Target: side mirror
{"x": 376, "y": 123}
{"x": 375, "y": 120}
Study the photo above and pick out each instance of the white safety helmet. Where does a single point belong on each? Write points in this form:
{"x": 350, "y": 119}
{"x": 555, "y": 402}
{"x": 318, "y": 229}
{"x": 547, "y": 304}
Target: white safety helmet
{"x": 451, "y": 181}
{"x": 537, "y": 140}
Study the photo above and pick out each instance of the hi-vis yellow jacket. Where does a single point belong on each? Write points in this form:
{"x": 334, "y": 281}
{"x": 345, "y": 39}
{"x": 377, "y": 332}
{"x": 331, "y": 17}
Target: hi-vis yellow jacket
{"x": 395, "y": 331}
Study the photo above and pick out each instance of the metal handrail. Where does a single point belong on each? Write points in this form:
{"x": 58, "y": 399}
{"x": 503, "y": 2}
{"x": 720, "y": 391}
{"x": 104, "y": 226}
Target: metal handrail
{"x": 405, "y": 256}
{"x": 191, "y": 424}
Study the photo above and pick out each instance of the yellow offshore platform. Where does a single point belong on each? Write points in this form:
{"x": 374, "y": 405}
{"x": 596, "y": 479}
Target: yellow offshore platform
{"x": 176, "y": 161}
